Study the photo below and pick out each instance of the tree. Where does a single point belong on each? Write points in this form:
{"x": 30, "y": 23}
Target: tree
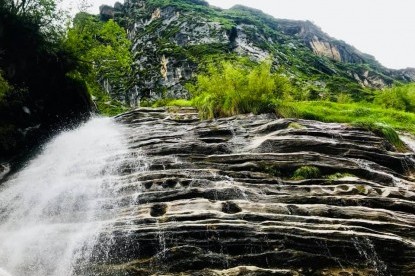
{"x": 37, "y": 93}
{"x": 43, "y": 14}
{"x": 104, "y": 49}
{"x": 39, "y": 9}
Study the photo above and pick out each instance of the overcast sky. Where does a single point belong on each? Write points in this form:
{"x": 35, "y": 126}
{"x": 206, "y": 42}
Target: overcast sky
{"x": 383, "y": 28}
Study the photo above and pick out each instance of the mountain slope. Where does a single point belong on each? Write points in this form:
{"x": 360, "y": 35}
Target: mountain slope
{"x": 172, "y": 40}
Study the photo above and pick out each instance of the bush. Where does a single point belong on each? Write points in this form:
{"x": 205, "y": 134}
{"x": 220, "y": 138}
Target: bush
{"x": 398, "y": 97}
{"x": 306, "y": 172}
{"x": 232, "y": 88}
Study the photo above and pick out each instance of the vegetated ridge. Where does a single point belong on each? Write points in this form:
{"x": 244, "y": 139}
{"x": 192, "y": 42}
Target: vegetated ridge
{"x": 174, "y": 40}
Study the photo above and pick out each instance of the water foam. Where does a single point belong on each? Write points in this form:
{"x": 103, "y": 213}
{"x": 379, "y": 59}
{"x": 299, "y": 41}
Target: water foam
{"x": 51, "y": 211}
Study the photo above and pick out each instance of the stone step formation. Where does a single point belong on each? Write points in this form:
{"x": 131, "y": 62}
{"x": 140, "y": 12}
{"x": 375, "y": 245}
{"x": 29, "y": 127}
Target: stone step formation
{"x": 258, "y": 195}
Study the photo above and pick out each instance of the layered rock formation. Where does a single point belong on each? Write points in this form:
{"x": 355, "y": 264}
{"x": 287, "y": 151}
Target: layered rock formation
{"x": 227, "y": 197}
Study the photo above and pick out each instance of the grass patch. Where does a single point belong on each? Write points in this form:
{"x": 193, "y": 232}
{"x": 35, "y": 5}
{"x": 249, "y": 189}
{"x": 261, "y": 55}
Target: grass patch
{"x": 296, "y": 125}
{"x": 339, "y": 175}
{"x": 169, "y": 102}
{"x": 271, "y": 170}
{"x": 385, "y": 131}
{"x": 361, "y": 189}
{"x": 306, "y": 172}
{"x": 381, "y": 121}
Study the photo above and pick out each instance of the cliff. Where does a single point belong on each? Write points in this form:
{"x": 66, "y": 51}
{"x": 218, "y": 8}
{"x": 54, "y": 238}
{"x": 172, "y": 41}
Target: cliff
{"x": 173, "y": 40}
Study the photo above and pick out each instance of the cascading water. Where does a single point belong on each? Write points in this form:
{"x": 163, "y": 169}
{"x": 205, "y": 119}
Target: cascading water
{"x": 51, "y": 212}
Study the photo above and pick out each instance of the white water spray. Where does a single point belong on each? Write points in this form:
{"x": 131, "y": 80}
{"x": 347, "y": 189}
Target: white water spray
{"x": 51, "y": 212}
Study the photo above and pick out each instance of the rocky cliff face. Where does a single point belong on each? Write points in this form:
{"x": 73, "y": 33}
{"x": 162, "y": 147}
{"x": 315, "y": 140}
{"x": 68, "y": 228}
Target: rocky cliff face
{"x": 257, "y": 195}
{"x": 173, "y": 39}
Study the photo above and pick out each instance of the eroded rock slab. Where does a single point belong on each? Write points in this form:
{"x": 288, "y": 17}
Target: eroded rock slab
{"x": 223, "y": 198}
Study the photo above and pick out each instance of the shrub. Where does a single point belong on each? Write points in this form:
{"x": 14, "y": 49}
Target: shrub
{"x": 398, "y": 97}
{"x": 306, "y": 172}
{"x": 344, "y": 98}
{"x": 232, "y": 88}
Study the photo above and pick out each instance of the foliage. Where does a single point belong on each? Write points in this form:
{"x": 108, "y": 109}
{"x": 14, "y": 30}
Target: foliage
{"x": 231, "y": 88}
{"x": 343, "y": 86}
{"x": 37, "y": 94}
{"x": 43, "y": 14}
{"x": 106, "y": 105}
{"x": 295, "y": 125}
{"x": 377, "y": 119}
{"x": 104, "y": 50}
{"x": 31, "y": 8}
{"x": 339, "y": 175}
{"x": 4, "y": 87}
{"x": 397, "y": 97}
{"x": 383, "y": 130}
{"x": 344, "y": 98}
{"x": 171, "y": 102}
{"x": 306, "y": 172}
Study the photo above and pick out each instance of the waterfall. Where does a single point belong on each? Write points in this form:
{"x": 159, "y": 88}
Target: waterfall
{"x": 52, "y": 210}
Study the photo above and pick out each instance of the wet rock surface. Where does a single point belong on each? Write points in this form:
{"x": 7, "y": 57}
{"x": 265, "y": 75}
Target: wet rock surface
{"x": 220, "y": 198}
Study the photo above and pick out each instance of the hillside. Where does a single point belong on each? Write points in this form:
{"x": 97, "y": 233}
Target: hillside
{"x": 234, "y": 144}
{"x": 173, "y": 40}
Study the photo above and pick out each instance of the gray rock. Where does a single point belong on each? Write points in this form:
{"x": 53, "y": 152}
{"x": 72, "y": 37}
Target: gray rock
{"x": 219, "y": 198}
{"x": 4, "y": 170}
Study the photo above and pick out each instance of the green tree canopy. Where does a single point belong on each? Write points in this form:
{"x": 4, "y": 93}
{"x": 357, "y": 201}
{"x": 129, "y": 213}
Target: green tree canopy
{"x": 104, "y": 50}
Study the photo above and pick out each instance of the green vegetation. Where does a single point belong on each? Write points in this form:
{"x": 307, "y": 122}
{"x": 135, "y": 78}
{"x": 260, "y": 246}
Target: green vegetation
{"x": 339, "y": 175}
{"x": 93, "y": 58}
{"x": 37, "y": 92}
{"x": 295, "y": 125}
{"x": 270, "y": 169}
{"x": 168, "y": 102}
{"x": 232, "y": 88}
{"x": 312, "y": 77}
{"x": 4, "y": 87}
{"x": 375, "y": 118}
{"x": 400, "y": 97}
{"x": 104, "y": 50}
{"x": 361, "y": 189}
{"x": 306, "y": 172}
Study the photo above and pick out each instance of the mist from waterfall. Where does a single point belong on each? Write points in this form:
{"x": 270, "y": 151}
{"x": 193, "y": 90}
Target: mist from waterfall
{"x": 52, "y": 210}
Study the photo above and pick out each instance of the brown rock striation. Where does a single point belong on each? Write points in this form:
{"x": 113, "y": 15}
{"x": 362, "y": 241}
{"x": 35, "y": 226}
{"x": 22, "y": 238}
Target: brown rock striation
{"x": 219, "y": 198}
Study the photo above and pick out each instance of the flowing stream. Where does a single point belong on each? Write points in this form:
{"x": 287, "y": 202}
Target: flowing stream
{"x": 52, "y": 211}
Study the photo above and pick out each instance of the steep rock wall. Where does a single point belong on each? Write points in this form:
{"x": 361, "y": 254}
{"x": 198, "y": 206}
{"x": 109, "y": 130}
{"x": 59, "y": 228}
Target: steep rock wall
{"x": 172, "y": 40}
{"x": 219, "y": 198}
